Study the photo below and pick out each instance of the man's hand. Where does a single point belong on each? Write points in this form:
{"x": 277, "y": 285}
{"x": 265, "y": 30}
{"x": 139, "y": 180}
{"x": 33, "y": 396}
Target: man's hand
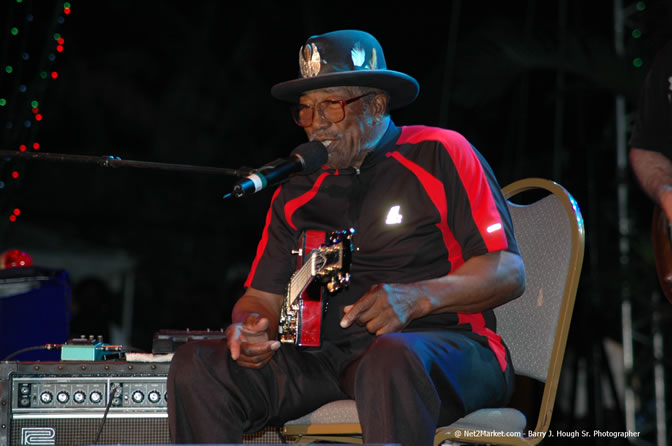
{"x": 385, "y": 308}
{"x": 249, "y": 344}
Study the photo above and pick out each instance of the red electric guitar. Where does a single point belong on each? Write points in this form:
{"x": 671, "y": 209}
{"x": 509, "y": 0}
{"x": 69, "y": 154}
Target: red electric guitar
{"x": 662, "y": 249}
{"x": 321, "y": 256}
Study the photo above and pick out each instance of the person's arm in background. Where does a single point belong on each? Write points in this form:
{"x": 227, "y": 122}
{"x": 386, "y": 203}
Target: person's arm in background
{"x": 654, "y": 173}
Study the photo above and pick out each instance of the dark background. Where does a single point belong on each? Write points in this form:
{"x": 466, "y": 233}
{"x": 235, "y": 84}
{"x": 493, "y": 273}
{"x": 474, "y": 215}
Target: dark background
{"x": 532, "y": 84}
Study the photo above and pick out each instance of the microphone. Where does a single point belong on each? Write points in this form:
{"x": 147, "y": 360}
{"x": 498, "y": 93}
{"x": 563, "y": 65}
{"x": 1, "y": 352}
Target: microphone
{"x": 306, "y": 158}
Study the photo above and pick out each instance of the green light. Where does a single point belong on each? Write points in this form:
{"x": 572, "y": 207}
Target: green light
{"x": 66, "y": 5}
{"x": 3, "y": 102}
{"x": 14, "y": 31}
{"x": 9, "y": 69}
{"x": 637, "y": 62}
{"x": 19, "y": 1}
{"x": 34, "y": 104}
{"x": 57, "y": 36}
{"x": 43, "y": 75}
{"x": 636, "y": 33}
{"x": 641, "y": 6}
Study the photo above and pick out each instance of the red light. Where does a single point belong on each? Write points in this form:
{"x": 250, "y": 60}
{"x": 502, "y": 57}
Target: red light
{"x": 54, "y": 74}
{"x": 38, "y": 117}
{"x": 12, "y": 218}
{"x": 61, "y": 40}
{"x": 17, "y": 211}
{"x": 15, "y": 174}
{"x": 66, "y": 11}
{"x": 36, "y": 145}
{"x": 36, "y": 110}
{"x": 22, "y": 147}
{"x": 13, "y": 258}
{"x": 59, "y": 48}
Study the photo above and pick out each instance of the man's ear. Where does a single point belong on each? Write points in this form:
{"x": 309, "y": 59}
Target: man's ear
{"x": 379, "y": 105}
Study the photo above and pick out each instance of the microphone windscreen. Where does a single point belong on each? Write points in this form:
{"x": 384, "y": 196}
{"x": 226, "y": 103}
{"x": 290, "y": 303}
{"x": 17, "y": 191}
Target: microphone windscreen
{"x": 313, "y": 154}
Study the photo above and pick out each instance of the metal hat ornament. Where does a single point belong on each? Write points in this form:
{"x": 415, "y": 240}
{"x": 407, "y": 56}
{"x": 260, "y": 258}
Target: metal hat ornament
{"x": 346, "y": 58}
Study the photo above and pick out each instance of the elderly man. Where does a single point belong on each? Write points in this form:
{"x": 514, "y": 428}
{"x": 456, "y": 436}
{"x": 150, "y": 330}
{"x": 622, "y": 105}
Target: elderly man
{"x": 412, "y": 338}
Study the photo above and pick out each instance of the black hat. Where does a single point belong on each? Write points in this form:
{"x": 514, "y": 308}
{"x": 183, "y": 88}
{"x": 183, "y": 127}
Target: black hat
{"x": 346, "y": 58}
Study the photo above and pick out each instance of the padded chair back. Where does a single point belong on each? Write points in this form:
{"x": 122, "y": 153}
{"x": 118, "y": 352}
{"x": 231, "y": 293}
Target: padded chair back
{"x": 528, "y": 324}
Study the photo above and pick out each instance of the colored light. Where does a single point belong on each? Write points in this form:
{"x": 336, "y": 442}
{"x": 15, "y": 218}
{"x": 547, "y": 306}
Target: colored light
{"x": 9, "y": 69}
{"x": 36, "y": 145}
{"x": 27, "y": 123}
{"x": 38, "y": 117}
{"x": 52, "y": 57}
{"x": 17, "y": 211}
{"x": 15, "y": 174}
{"x": 2, "y": 184}
{"x": 22, "y": 147}
{"x": 59, "y": 48}
{"x": 636, "y": 33}
{"x": 3, "y": 102}
{"x": 641, "y": 6}
{"x": 23, "y": 88}
{"x": 25, "y": 56}
{"x": 43, "y": 75}
{"x": 61, "y": 41}
{"x": 66, "y": 5}
{"x": 12, "y": 218}
{"x": 34, "y": 104}
{"x": 66, "y": 11}
{"x": 56, "y": 36}
{"x": 36, "y": 110}
{"x": 14, "y": 31}
{"x": 637, "y": 62}
{"x": 54, "y": 74}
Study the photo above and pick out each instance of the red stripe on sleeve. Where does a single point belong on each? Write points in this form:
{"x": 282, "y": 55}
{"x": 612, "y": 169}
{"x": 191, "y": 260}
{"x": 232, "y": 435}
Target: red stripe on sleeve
{"x": 477, "y": 323}
{"x": 299, "y": 201}
{"x": 437, "y": 194}
{"x": 261, "y": 247}
{"x": 483, "y": 207}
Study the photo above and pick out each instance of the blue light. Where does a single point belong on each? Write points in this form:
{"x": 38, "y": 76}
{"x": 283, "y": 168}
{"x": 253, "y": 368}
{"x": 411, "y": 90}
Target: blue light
{"x": 27, "y": 123}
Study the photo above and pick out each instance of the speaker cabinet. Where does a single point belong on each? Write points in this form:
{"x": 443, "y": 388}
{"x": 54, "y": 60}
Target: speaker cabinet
{"x": 64, "y": 404}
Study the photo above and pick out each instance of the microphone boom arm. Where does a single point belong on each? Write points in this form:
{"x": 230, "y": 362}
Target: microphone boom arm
{"x": 111, "y": 161}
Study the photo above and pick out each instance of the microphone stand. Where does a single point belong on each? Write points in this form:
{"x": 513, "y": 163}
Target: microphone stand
{"x": 112, "y": 161}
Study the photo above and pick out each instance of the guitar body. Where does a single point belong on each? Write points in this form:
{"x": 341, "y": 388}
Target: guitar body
{"x": 310, "y": 310}
{"x": 323, "y": 267}
{"x": 662, "y": 250}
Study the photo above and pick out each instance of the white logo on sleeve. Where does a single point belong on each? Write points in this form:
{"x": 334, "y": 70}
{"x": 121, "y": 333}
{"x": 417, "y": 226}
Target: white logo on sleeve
{"x": 394, "y": 217}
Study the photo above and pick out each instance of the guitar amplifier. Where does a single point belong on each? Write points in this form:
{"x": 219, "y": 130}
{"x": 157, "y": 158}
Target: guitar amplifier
{"x": 64, "y": 403}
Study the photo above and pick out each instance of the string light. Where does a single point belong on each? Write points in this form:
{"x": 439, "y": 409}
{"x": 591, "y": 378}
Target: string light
{"x": 22, "y": 39}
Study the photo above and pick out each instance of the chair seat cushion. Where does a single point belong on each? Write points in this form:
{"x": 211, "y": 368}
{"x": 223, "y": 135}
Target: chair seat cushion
{"x": 336, "y": 412}
{"x": 497, "y": 420}
{"x": 345, "y": 412}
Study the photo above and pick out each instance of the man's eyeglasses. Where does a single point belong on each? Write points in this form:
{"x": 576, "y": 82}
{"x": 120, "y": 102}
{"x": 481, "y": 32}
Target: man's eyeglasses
{"x": 332, "y": 111}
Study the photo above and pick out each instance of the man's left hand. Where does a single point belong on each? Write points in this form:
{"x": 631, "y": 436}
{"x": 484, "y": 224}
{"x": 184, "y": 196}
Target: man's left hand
{"x": 385, "y": 308}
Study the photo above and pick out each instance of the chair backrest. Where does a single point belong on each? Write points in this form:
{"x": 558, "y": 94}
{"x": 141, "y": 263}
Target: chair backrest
{"x": 551, "y": 239}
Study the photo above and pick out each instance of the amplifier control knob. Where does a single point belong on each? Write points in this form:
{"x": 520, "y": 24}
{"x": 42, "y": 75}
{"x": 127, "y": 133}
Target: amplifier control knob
{"x": 79, "y": 397}
{"x": 63, "y": 397}
{"x": 154, "y": 396}
{"x": 46, "y": 397}
{"x": 138, "y": 396}
{"x": 96, "y": 397}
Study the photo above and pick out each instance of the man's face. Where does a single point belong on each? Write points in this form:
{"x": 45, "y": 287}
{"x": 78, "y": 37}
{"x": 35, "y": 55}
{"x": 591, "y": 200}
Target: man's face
{"x": 349, "y": 140}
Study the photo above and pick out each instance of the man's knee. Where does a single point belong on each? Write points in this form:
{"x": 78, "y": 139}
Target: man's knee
{"x": 389, "y": 356}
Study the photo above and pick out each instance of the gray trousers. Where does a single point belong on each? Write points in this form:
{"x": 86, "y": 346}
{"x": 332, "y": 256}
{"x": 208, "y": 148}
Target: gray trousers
{"x": 405, "y": 384}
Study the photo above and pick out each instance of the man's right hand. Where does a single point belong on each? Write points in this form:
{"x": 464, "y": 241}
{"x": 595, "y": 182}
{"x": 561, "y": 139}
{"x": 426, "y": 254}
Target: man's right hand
{"x": 249, "y": 344}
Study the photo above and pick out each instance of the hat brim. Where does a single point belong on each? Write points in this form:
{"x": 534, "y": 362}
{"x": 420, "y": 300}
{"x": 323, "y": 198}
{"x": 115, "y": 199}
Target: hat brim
{"x": 403, "y": 89}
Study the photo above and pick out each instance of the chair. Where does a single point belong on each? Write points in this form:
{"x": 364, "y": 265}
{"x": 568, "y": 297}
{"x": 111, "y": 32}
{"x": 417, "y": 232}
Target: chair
{"x": 535, "y": 326}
